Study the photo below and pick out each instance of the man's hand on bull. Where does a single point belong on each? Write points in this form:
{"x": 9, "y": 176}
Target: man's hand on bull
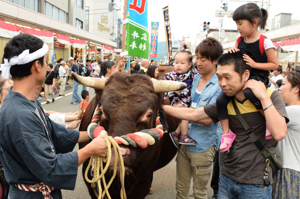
{"x": 97, "y": 147}
{"x": 94, "y": 130}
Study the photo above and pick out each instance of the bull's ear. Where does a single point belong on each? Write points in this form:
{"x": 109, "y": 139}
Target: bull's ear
{"x": 161, "y": 86}
{"x": 96, "y": 83}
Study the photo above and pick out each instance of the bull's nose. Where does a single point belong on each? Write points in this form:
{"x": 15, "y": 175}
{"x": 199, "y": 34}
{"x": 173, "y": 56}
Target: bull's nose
{"x": 125, "y": 151}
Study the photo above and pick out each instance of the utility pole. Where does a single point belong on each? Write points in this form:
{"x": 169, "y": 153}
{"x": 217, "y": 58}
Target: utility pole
{"x": 223, "y": 11}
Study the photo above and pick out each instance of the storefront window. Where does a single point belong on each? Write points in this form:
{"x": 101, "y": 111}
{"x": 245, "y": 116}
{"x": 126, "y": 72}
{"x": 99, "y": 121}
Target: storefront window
{"x": 30, "y": 4}
{"x": 48, "y": 9}
{"x": 79, "y": 3}
{"x": 55, "y": 13}
{"x": 87, "y": 12}
{"x": 79, "y": 24}
{"x": 23, "y": 3}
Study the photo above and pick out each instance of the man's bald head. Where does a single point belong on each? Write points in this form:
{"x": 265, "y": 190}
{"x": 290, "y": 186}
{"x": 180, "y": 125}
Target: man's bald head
{"x": 145, "y": 63}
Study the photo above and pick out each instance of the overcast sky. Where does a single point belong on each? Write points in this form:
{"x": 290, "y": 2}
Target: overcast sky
{"x": 187, "y": 16}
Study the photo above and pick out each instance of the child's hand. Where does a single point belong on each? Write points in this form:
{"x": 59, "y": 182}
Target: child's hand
{"x": 257, "y": 87}
{"x": 179, "y": 105}
{"x": 233, "y": 50}
{"x": 249, "y": 61}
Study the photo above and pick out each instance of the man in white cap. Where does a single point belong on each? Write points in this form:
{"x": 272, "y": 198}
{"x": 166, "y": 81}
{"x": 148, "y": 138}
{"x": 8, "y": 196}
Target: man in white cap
{"x": 75, "y": 97}
{"x": 36, "y": 153}
{"x": 62, "y": 76}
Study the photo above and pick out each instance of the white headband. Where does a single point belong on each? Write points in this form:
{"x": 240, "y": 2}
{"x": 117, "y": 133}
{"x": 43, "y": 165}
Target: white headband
{"x": 24, "y": 58}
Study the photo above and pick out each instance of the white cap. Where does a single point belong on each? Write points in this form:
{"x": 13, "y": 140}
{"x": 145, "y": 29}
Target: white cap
{"x": 71, "y": 58}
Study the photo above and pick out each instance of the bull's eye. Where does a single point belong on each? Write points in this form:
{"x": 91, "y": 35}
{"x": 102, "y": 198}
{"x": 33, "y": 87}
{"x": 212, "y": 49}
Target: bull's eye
{"x": 149, "y": 115}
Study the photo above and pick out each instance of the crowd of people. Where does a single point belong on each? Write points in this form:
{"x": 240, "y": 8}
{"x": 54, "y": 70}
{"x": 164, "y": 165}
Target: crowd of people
{"x": 238, "y": 116}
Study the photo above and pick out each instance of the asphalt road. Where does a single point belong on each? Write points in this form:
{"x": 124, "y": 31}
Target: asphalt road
{"x": 164, "y": 179}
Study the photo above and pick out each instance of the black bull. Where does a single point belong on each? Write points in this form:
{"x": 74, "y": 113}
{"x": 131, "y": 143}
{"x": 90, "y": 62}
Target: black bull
{"x": 140, "y": 163}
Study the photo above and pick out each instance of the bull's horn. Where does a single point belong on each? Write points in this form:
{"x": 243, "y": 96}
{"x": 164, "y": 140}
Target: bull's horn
{"x": 97, "y": 83}
{"x": 162, "y": 86}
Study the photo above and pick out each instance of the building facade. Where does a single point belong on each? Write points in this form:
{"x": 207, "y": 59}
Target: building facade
{"x": 59, "y": 23}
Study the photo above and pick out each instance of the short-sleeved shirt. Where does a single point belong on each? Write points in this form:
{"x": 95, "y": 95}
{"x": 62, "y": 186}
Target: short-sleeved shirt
{"x": 75, "y": 68}
{"x": 244, "y": 163}
{"x": 49, "y": 77}
{"x": 83, "y": 71}
{"x": 290, "y": 145}
{"x": 85, "y": 104}
{"x": 62, "y": 71}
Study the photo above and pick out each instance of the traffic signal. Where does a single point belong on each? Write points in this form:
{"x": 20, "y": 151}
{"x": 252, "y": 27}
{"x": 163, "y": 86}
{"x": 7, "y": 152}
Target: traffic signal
{"x": 204, "y": 26}
{"x": 207, "y": 25}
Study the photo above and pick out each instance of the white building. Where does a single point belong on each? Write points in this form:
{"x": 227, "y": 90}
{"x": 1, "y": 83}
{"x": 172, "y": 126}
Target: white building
{"x": 60, "y": 23}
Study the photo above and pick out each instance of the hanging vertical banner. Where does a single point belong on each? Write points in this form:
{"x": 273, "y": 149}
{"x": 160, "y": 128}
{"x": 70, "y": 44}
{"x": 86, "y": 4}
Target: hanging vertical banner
{"x": 137, "y": 36}
{"x": 168, "y": 31}
{"x": 154, "y": 39}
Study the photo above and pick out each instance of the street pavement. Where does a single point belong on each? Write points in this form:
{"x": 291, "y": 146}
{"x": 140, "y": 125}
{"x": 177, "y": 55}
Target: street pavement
{"x": 163, "y": 181}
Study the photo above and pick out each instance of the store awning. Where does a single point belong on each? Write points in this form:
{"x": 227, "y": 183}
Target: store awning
{"x": 76, "y": 43}
{"x": 289, "y": 45}
{"x": 107, "y": 50}
{"x": 47, "y": 37}
{"x": 10, "y": 30}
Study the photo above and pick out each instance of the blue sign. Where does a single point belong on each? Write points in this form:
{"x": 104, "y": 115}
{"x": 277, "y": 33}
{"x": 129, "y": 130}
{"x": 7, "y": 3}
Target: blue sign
{"x": 54, "y": 58}
{"x": 154, "y": 38}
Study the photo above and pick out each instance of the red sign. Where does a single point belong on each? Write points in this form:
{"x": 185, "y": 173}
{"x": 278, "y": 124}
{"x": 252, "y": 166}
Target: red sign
{"x": 135, "y": 6}
{"x": 153, "y": 55}
{"x": 57, "y": 44}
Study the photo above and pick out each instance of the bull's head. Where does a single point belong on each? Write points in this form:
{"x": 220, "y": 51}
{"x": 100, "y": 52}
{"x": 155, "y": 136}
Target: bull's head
{"x": 130, "y": 103}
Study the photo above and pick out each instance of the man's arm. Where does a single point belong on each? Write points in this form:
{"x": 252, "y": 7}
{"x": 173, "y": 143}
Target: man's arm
{"x": 120, "y": 65}
{"x": 97, "y": 147}
{"x": 83, "y": 137}
{"x": 272, "y": 81}
{"x": 194, "y": 115}
{"x": 276, "y": 123}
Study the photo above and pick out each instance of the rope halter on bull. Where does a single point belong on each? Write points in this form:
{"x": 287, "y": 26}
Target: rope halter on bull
{"x": 142, "y": 139}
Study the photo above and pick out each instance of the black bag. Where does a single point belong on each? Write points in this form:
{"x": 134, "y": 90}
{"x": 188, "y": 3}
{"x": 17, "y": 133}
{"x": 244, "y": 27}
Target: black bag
{"x": 272, "y": 154}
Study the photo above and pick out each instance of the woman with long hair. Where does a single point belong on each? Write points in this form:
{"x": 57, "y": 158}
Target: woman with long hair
{"x": 287, "y": 180}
